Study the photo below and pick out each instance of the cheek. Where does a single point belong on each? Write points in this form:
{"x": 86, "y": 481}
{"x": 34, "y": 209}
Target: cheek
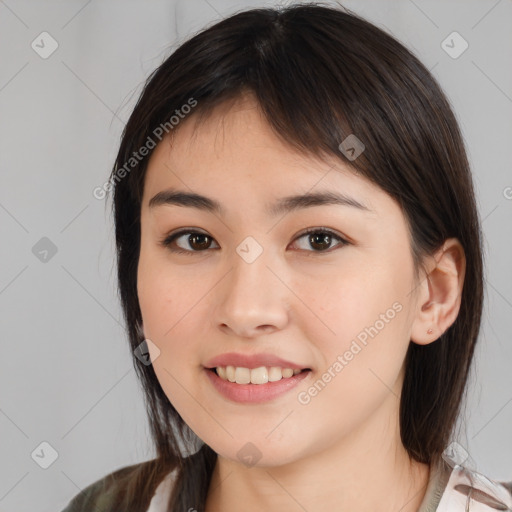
{"x": 170, "y": 322}
{"x": 173, "y": 307}
{"x": 359, "y": 332}
{"x": 337, "y": 307}
{"x": 362, "y": 361}
{"x": 163, "y": 296}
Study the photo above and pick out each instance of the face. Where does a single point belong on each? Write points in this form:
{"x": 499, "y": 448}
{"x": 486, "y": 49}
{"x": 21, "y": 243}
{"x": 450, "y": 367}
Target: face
{"x": 247, "y": 280}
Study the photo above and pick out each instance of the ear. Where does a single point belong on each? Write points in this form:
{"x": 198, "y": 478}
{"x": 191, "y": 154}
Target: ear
{"x": 440, "y": 292}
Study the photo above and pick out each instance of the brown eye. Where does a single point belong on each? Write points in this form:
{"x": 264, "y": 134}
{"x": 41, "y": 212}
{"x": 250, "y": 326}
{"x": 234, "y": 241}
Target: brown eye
{"x": 320, "y": 239}
{"x": 199, "y": 241}
{"x": 191, "y": 241}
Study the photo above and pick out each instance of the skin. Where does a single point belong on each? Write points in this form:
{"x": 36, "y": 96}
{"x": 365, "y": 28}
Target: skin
{"x": 342, "y": 450}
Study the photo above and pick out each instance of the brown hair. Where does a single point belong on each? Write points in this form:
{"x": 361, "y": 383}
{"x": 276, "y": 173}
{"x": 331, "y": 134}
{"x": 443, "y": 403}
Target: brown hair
{"x": 319, "y": 74}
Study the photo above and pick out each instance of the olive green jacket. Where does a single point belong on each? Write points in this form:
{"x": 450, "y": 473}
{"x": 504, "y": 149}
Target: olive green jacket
{"x": 91, "y": 499}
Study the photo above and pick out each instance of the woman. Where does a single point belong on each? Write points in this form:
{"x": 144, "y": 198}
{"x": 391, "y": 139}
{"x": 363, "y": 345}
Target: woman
{"x": 300, "y": 269}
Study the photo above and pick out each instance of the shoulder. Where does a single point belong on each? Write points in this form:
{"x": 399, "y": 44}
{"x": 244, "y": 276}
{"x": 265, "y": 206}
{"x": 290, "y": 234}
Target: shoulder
{"x": 467, "y": 489}
{"x": 100, "y": 494}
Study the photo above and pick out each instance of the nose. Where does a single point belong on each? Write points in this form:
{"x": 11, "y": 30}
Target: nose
{"x": 254, "y": 298}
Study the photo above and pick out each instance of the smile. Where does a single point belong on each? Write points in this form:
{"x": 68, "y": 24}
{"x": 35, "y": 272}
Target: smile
{"x": 260, "y": 375}
{"x": 257, "y": 385}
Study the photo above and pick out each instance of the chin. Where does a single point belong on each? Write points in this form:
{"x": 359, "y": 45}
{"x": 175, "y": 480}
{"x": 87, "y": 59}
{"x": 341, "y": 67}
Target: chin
{"x": 258, "y": 454}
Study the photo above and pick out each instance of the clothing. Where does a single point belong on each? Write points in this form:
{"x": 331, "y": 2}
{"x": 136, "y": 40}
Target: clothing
{"x": 451, "y": 488}
{"x": 454, "y": 488}
{"x": 162, "y": 494}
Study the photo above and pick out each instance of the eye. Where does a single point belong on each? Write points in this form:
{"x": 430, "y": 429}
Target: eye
{"x": 200, "y": 241}
{"x": 318, "y": 238}
{"x": 321, "y": 239}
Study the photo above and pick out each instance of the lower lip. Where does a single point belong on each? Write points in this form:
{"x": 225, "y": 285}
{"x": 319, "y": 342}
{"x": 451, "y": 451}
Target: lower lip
{"x": 254, "y": 393}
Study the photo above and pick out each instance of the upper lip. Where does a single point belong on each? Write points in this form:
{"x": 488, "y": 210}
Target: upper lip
{"x": 251, "y": 361}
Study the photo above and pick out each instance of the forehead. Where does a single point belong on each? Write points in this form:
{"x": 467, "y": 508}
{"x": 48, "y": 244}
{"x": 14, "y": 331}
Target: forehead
{"x": 235, "y": 153}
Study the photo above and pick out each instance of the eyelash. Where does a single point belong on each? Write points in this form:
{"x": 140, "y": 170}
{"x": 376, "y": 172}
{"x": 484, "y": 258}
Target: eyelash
{"x": 168, "y": 240}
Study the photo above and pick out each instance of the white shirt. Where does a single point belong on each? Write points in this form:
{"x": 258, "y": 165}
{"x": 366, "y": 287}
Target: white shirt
{"x": 163, "y": 491}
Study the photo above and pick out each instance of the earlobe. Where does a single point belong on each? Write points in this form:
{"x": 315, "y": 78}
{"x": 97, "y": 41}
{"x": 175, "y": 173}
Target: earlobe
{"x": 440, "y": 294}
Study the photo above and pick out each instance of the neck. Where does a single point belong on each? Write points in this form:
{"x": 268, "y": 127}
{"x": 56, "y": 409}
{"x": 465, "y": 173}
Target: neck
{"x": 367, "y": 470}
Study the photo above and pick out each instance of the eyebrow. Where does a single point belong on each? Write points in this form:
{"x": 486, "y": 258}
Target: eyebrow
{"x": 282, "y": 205}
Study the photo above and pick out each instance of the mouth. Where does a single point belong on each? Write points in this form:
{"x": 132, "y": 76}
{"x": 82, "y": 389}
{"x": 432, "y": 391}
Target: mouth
{"x": 257, "y": 376}
{"x": 256, "y": 385}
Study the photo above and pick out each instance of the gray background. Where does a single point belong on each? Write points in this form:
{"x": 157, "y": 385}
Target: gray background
{"x": 66, "y": 375}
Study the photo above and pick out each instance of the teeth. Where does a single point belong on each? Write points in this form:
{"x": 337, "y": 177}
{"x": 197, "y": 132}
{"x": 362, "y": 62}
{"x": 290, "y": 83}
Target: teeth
{"x": 221, "y": 371}
{"x": 274, "y": 374}
{"x": 230, "y": 373}
{"x": 260, "y": 375}
{"x": 242, "y": 375}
